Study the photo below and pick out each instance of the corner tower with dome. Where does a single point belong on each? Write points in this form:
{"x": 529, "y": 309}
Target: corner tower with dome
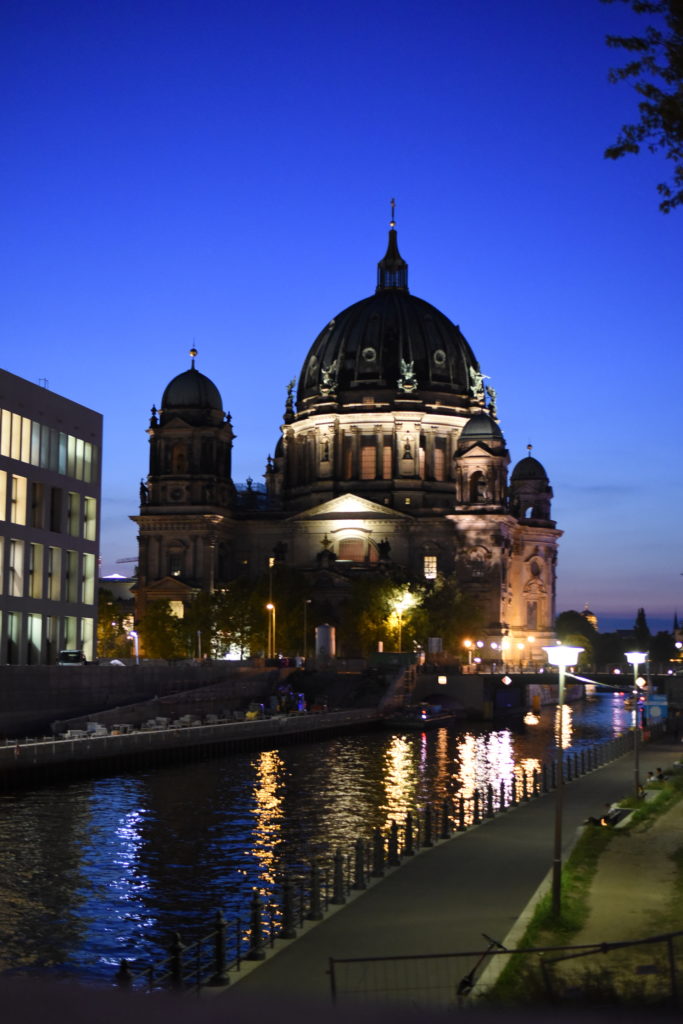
{"x": 390, "y": 454}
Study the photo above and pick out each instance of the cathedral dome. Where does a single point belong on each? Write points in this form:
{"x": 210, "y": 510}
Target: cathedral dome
{"x": 192, "y": 396}
{"x": 528, "y": 469}
{"x": 481, "y": 427}
{"x": 392, "y": 345}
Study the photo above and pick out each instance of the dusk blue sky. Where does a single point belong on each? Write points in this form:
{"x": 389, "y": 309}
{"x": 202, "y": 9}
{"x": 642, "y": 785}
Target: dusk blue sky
{"x": 179, "y": 172}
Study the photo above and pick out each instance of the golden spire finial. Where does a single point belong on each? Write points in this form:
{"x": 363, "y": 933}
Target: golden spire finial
{"x": 392, "y": 222}
{"x": 193, "y": 354}
{"x": 529, "y": 449}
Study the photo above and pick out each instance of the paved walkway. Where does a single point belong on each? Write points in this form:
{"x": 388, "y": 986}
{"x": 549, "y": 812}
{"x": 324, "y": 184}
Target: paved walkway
{"x": 484, "y": 880}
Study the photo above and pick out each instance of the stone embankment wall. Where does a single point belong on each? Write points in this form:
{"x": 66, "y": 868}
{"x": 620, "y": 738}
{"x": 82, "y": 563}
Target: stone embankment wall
{"x": 31, "y": 763}
{"x": 33, "y": 698}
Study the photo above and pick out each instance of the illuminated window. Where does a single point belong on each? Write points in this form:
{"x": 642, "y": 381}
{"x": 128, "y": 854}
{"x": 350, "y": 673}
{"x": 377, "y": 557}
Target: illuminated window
{"x": 87, "y": 462}
{"x": 177, "y": 608}
{"x": 352, "y": 549}
{"x": 18, "y": 500}
{"x": 87, "y": 639}
{"x": 70, "y": 633}
{"x": 368, "y": 462}
{"x": 35, "y": 570}
{"x": 73, "y": 514}
{"x": 34, "y": 638}
{"x": 387, "y": 461}
{"x": 5, "y": 433}
{"x": 25, "y": 439}
{"x": 90, "y": 518}
{"x": 15, "y": 446}
{"x": 71, "y": 455}
{"x": 54, "y": 570}
{"x": 35, "y": 444}
{"x": 71, "y": 576}
{"x": 88, "y": 589}
{"x": 61, "y": 453}
{"x": 430, "y": 567}
{"x": 175, "y": 563}
{"x": 439, "y": 463}
{"x": 3, "y": 494}
{"x": 16, "y": 568}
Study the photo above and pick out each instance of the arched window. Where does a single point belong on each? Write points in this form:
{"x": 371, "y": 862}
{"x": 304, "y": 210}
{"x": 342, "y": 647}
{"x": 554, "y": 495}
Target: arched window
{"x": 179, "y": 459}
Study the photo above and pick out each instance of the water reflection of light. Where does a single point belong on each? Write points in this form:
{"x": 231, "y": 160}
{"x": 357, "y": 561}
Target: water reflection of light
{"x": 268, "y": 813}
{"x": 531, "y": 718}
{"x": 400, "y": 778}
{"x": 567, "y": 725}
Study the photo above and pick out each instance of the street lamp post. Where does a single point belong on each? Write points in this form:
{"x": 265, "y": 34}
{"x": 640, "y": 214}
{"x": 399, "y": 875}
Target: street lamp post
{"x": 562, "y": 657}
{"x": 133, "y": 635}
{"x": 636, "y": 658}
{"x": 270, "y": 607}
{"x": 306, "y": 604}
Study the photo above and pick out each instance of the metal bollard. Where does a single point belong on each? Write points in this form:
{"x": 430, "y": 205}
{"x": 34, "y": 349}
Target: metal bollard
{"x": 257, "y": 952}
{"x": 315, "y": 910}
{"x": 513, "y": 790}
{"x": 123, "y": 977}
{"x": 359, "y": 865}
{"x": 428, "y": 841}
{"x": 501, "y": 796}
{"x": 408, "y": 849}
{"x": 489, "y": 801}
{"x": 338, "y": 887}
{"x": 535, "y": 788}
{"x": 288, "y": 927}
{"x": 219, "y": 976}
{"x": 475, "y": 812}
{"x": 394, "y": 857}
{"x": 525, "y": 787}
{"x": 377, "y": 854}
{"x": 175, "y": 961}
{"x": 461, "y": 814}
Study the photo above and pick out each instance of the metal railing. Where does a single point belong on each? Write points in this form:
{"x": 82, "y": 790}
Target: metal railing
{"x": 638, "y": 972}
{"x": 308, "y": 892}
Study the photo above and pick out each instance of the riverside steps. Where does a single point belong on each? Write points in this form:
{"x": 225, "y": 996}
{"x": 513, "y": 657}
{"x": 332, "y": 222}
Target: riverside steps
{"x": 483, "y": 882}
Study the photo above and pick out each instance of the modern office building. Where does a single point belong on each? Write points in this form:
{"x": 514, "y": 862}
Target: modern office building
{"x": 50, "y": 487}
{"x": 390, "y": 454}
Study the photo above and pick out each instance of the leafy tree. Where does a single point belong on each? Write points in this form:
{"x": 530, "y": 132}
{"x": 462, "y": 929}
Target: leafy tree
{"x": 162, "y": 632}
{"x": 112, "y": 635}
{"x": 574, "y": 630}
{"x": 366, "y": 613}
{"x": 449, "y": 614}
{"x": 656, "y": 68}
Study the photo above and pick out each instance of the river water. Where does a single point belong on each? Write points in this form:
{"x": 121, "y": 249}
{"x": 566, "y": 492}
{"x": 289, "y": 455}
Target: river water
{"x": 97, "y": 870}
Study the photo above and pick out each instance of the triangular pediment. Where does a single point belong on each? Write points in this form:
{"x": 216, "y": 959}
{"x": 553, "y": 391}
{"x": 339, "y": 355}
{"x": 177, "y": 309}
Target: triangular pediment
{"x": 348, "y": 506}
{"x": 169, "y": 586}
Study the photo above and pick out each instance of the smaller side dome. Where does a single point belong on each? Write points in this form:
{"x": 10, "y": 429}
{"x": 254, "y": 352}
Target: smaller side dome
{"x": 528, "y": 468}
{"x": 192, "y": 396}
{"x": 481, "y": 426}
{"x": 191, "y": 390}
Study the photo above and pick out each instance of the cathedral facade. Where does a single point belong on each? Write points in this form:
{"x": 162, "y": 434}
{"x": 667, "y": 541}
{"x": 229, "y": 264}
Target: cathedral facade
{"x": 390, "y": 454}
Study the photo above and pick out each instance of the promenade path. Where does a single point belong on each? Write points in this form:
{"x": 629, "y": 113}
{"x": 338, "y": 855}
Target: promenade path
{"x": 484, "y": 880}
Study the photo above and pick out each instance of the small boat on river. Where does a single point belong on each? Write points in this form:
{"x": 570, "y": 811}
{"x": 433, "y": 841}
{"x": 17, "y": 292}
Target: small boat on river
{"x": 418, "y": 717}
